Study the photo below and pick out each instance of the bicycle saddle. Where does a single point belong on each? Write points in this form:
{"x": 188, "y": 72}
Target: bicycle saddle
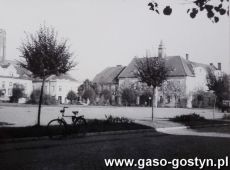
{"x": 75, "y": 112}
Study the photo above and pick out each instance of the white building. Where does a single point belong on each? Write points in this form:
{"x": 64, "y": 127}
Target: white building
{"x": 10, "y": 75}
{"x": 58, "y": 86}
{"x": 189, "y": 76}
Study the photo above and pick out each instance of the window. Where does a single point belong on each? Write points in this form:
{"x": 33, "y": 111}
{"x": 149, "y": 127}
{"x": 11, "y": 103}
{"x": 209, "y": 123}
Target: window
{"x": 3, "y": 84}
{"x": 10, "y": 84}
{"x": 60, "y": 88}
{"x": 10, "y": 92}
{"x": 53, "y": 89}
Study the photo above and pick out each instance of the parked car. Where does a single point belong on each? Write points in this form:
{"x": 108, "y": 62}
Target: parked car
{"x": 225, "y": 106}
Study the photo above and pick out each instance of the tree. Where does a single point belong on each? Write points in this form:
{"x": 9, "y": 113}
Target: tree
{"x": 71, "y": 96}
{"x": 43, "y": 55}
{"x": 46, "y": 98}
{"x": 86, "y": 85}
{"x": 219, "y": 85}
{"x": 89, "y": 94}
{"x": 106, "y": 95}
{"x": 153, "y": 72}
{"x": 173, "y": 88}
{"x": 17, "y": 93}
{"x": 213, "y": 8}
{"x": 128, "y": 96}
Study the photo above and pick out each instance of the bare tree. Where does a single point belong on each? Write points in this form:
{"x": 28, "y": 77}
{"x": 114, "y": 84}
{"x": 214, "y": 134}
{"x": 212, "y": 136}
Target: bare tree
{"x": 153, "y": 72}
{"x": 43, "y": 55}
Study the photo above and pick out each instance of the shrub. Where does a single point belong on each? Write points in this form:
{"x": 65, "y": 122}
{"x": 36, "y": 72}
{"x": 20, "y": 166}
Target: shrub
{"x": 17, "y": 92}
{"x": 89, "y": 94}
{"x": 128, "y": 97}
{"x": 47, "y": 99}
{"x": 71, "y": 96}
{"x": 226, "y": 116}
{"x": 111, "y": 119}
{"x": 188, "y": 118}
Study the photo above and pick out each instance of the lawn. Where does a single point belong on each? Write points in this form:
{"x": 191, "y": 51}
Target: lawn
{"x": 92, "y": 126}
{"x": 200, "y": 124}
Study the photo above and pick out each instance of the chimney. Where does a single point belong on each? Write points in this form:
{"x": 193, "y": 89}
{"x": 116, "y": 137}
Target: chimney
{"x": 2, "y": 45}
{"x": 187, "y": 56}
{"x": 219, "y": 66}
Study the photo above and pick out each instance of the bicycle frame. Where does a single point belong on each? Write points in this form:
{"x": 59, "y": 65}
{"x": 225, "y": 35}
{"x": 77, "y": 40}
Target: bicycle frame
{"x": 74, "y": 118}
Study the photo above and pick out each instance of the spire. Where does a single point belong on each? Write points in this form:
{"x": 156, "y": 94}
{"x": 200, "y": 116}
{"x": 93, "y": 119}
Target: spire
{"x": 161, "y": 50}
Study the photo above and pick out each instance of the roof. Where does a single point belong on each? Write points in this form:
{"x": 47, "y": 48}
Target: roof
{"x": 179, "y": 65}
{"x": 54, "y": 78}
{"x": 23, "y": 73}
{"x": 108, "y": 75}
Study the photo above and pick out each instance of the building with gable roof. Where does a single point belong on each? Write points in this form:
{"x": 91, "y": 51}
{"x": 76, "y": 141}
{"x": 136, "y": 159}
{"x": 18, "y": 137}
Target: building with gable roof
{"x": 11, "y": 75}
{"x": 58, "y": 86}
{"x": 108, "y": 79}
{"x": 188, "y": 75}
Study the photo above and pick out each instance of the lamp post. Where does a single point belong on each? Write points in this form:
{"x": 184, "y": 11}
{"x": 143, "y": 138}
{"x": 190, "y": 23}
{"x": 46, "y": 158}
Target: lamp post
{"x": 150, "y": 106}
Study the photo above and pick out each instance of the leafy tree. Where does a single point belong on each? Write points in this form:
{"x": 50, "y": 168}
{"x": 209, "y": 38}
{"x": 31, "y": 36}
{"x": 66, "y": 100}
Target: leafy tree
{"x": 174, "y": 89}
{"x": 128, "y": 96}
{"x": 17, "y": 93}
{"x": 219, "y": 85}
{"x": 213, "y": 8}
{"x": 146, "y": 97}
{"x": 153, "y": 72}
{"x": 43, "y": 55}
{"x": 46, "y": 99}
{"x": 86, "y": 85}
{"x": 71, "y": 96}
{"x": 106, "y": 94}
{"x": 89, "y": 94}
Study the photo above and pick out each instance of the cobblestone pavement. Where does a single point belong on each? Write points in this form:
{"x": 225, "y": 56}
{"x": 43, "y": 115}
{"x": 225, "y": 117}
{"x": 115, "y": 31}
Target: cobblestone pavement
{"x": 89, "y": 153}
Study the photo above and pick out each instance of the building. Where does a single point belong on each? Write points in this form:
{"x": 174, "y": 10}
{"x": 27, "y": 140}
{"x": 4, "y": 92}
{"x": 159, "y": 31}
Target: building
{"x": 186, "y": 76}
{"x": 58, "y": 86}
{"x": 11, "y": 75}
{"x": 108, "y": 79}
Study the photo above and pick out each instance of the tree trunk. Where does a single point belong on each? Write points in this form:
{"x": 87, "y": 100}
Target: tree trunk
{"x": 40, "y": 102}
{"x": 154, "y": 101}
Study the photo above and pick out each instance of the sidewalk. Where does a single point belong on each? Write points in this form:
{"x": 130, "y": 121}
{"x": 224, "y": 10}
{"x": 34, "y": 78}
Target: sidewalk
{"x": 173, "y": 128}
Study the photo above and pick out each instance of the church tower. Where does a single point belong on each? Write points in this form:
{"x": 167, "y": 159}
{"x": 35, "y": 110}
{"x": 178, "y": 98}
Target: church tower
{"x": 161, "y": 50}
{"x": 2, "y": 45}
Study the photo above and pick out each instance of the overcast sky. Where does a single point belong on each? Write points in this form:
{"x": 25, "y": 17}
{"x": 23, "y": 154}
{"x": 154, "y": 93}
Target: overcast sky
{"x": 106, "y": 33}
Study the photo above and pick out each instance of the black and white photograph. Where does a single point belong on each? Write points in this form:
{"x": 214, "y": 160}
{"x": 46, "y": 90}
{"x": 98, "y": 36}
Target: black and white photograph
{"x": 114, "y": 84}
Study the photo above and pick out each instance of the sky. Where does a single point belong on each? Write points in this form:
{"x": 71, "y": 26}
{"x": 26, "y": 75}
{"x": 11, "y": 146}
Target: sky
{"x": 104, "y": 33}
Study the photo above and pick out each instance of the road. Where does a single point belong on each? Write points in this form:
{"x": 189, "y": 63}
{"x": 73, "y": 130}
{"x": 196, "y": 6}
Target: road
{"x": 88, "y": 153}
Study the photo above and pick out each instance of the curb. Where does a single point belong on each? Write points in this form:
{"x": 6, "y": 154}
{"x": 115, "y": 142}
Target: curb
{"x": 121, "y": 132}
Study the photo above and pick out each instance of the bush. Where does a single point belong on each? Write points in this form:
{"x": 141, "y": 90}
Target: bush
{"x": 111, "y": 119}
{"x": 188, "y": 118}
{"x": 47, "y": 99}
{"x": 202, "y": 99}
{"x": 71, "y": 96}
{"x": 128, "y": 97}
{"x": 144, "y": 98}
{"x": 226, "y": 116}
{"x": 89, "y": 94}
{"x": 17, "y": 92}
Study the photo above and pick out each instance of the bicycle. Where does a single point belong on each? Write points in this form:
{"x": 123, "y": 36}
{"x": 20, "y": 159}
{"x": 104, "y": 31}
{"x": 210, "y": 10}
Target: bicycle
{"x": 58, "y": 128}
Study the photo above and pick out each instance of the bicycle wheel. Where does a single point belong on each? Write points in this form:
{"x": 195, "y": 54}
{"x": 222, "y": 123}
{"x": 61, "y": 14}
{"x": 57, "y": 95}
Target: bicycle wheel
{"x": 80, "y": 126}
{"x": 56, "y": 129}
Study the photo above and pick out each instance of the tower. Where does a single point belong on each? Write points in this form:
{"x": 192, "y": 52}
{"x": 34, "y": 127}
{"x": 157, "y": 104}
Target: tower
{"x": 161, "y": 50}
{"x": 2, "y": 45}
